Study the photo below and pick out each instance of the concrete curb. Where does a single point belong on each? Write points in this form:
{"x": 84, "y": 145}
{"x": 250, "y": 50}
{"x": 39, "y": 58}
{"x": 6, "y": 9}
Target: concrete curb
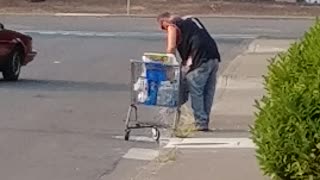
{"x": 105, "y": 15}
{"x": 225, "y": 82}
{"x": 258, "y": 48}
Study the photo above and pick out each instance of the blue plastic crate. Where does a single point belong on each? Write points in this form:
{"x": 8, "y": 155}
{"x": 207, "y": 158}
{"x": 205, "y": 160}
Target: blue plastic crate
{"x": 156, "y": 72}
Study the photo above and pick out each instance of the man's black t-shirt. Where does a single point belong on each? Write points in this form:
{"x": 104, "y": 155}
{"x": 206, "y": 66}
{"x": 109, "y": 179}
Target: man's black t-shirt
{"x": 194, "y": 41}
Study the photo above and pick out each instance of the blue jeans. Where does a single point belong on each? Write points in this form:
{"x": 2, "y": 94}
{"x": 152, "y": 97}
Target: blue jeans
{"x": 201, "y": 85}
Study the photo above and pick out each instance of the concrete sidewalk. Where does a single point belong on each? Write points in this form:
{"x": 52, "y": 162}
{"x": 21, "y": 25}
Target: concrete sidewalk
{"x": 206, "y": 156}
{"x": 207, "y": 164}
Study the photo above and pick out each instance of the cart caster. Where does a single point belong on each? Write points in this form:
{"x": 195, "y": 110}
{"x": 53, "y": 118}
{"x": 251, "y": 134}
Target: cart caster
{"x": 127, "y": 135}
{"x": 155, "y": 134}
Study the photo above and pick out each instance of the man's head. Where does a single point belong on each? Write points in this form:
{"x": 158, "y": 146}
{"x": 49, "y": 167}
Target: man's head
{"x": 165, "y": 19}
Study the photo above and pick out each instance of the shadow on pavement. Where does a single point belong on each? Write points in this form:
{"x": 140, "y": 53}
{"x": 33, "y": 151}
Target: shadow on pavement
{"x": 62, "y": 85}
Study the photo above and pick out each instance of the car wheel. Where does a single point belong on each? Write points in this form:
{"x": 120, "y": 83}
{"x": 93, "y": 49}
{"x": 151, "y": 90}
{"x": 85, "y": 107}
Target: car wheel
{"x": 12, "y": 70}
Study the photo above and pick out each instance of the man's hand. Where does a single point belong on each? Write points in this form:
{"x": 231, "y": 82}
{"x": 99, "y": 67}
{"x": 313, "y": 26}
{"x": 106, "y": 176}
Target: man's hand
{"x": 172, "y": 40}
{"x": 186, "y": 67}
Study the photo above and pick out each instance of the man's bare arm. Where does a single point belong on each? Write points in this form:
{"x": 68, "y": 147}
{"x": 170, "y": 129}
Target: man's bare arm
{"x": 172, "y": 40}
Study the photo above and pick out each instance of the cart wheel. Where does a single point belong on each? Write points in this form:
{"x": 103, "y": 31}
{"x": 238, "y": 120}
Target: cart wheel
{"x": 127, "y": 135}
{"x": 156, "y": 134}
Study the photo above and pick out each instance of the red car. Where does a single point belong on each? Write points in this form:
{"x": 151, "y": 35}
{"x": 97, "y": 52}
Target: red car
{"x": 15, "y": 51}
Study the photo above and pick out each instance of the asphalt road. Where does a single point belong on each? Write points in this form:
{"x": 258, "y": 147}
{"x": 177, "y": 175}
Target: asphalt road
{"x": 59, "y": 120}
{"x": 281, "y": 28}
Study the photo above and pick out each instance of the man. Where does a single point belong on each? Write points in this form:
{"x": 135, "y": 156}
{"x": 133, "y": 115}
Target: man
{"x": 200, "y": 60}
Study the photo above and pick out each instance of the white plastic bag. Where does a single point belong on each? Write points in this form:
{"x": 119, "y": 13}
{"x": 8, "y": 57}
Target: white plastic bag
{"x": 142, "y": 88}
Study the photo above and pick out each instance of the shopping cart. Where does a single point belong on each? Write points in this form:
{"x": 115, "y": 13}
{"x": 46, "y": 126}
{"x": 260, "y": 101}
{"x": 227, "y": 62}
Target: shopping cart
{"x": 153, "y": 84}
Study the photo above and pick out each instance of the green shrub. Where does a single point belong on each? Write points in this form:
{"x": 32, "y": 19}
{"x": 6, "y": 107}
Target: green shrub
{"x": 287, "y": 126}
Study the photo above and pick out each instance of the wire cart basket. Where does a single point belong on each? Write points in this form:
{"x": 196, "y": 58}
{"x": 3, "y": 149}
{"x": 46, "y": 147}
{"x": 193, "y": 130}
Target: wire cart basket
{"x": 152, "y": 84}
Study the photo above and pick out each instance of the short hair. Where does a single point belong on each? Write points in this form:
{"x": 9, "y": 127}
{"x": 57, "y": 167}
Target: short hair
{"x": 163, "y": 15}
{"x": 168, "y": 16}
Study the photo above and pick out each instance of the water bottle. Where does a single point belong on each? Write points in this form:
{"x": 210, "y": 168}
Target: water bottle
{"x": 161, "y": 94}
{"x": 152, "y": 93}
{"x": 166, "y": 94}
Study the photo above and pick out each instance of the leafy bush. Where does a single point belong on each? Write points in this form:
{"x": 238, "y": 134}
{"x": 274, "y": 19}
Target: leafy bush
{"x": 287, "y": 126}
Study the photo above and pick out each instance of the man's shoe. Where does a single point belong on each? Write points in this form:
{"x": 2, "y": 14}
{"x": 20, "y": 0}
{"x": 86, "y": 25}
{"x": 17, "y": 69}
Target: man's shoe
{"x": 202, "y": 128}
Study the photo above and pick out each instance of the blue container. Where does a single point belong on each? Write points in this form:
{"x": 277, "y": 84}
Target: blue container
{"x": 156, "y": 72}
{"x": 152, "y": 92}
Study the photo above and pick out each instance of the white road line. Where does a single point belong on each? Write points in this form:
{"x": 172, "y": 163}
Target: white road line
{"x": 260, "y": 30}
{"x": 197, "y": 143}
{"x": 212, "y": 143}
{"x": 126, "y": 34}
{"x": 82, "y": 14}
{"x": 142, "y": 139}
{"x": 141, "y": 154}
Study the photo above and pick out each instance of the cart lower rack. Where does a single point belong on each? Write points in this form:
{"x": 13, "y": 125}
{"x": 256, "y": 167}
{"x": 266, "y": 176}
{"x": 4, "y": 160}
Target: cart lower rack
{"x": 152, "y": 84}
